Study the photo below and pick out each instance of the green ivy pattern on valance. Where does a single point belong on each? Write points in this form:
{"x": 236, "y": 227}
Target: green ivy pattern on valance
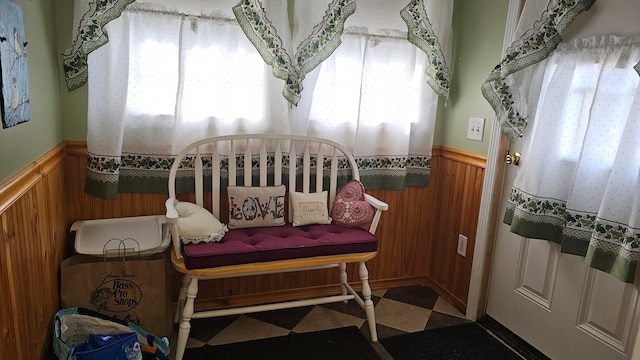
{"x": 532, "y": 47}
{"x": 606, "y": 245}
{"x": 421, "y": 34}
{"x": 133, "y": 173}
{"x": 89, "y": 36}
{"x": 310, "y": 52}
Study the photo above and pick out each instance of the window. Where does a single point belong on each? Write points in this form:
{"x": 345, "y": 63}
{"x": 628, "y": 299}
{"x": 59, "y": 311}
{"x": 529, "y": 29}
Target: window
{"x": 165, "y": 80}
{"x": 578, "y": 185}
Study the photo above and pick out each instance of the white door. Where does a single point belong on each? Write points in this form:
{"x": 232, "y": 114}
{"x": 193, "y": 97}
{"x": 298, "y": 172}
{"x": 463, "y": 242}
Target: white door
{"x": 554, "y": 301}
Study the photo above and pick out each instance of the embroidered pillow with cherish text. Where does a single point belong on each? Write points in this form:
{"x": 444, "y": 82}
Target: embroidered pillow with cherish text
{"x": 255, "y": 206}
{"x": 309, "y": 208}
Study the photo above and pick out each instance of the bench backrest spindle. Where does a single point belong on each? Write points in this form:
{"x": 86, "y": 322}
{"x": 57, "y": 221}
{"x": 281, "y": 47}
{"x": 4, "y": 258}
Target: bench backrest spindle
{"x": 306, "y": 168}
{"x": 278, "y": 158}
{"x": 333, "y": 178}
{"x": 248, "y": 181}
{"x": 215, "y": 181}
{"x": 198, "y": 177}
{"x": 292, "y": 173}
{"x": 263, "y": 163}
{"x": 232, "y": 165}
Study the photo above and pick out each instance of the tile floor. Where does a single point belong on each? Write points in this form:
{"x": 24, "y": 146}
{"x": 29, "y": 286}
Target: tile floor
{"x": 398, "y": 311}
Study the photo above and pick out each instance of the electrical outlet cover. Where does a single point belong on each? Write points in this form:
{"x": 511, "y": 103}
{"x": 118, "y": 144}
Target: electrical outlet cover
{"x": 462, "y": 245}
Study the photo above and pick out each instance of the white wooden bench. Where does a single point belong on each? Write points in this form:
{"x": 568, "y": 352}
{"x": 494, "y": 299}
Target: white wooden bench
{"x": 264, "y": 160}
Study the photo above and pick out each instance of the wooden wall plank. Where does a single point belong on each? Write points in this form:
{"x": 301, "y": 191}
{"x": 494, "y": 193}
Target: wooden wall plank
{"x": 32, "y": 243}
{"x": 458, "y": 202}
{"x": 418, "y": 241}
{"x": 8, "y": 318}
{"x": 418, "y": 235}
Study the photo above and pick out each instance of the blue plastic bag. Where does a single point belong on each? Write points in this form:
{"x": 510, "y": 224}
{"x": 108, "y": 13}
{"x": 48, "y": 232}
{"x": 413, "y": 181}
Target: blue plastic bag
{"x": 108, "y": 347}
{"x": 75, "y": 327}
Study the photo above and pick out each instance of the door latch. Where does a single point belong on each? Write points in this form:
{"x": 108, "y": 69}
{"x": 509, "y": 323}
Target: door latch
{"x": 512, "y": 159}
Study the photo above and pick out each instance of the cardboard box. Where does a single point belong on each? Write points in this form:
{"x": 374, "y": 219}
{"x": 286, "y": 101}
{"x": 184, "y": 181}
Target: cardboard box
{"x": 134, "y": 289}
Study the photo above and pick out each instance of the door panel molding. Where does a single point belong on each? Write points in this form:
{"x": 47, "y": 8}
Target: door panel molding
{"x": 531, "y": 282}
{"x": 609, "y": 322}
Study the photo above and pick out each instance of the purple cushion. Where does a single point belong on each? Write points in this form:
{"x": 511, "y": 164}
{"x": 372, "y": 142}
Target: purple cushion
{"x": 247, "y": 245}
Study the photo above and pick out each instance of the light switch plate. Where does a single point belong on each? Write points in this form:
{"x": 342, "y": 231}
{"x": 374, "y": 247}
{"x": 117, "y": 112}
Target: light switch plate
{"x": 475, "y": 129}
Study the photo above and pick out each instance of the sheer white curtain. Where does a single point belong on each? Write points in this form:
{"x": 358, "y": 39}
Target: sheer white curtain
{"x": 371, "y": 95}
{"x": 579, "y": 184}
{"x": 166, "y": 79}
{"x": 163, "y": 81}
{"x": 512, "y": 86}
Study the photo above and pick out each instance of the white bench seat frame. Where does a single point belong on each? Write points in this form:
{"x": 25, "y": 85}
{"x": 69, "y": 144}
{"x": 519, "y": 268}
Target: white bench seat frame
{"x": 259, "y": 145}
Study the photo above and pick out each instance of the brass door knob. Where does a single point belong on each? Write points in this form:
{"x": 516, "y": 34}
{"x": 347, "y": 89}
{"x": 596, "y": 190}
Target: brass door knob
{"x": 512, "y": 159}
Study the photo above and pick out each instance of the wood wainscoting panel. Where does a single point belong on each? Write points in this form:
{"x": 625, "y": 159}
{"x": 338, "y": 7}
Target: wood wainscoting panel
{"x": 418, "y": 238}
{"x": 32, "y": 245}
{"x": 416, "y": 245}
{"x": 458, "y": 179}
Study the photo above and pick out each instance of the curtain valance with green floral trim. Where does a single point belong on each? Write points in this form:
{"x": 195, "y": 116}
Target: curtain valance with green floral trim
{"x": 433, "y": 37}
{"x": 89, "y": 18}
{"x": 538, "y": 33}
{"x": 293, "y": 53}
{"x": 293, "y": 50}
{"x": 292, "y": 37}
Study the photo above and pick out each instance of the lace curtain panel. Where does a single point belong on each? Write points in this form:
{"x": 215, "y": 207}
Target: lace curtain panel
{"x": 294, "y": 49}
{"x": 580, "y": 184}
{"x": 371, "y": 95}
{"x": 511, "y": 85}
{"x": 165, "y": 80}
{"x": 265, "y": 23}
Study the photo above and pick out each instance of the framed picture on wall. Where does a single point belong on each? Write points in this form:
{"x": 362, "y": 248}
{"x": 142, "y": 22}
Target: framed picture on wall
{"x": 14, "y": 97}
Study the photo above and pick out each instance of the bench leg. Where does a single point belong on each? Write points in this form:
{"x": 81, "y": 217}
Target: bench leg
{"x": 368, "y": 303}
{"x": 185, "y": 323}
{"x": 182, "y": 295}
{"x": 343, "y": 279}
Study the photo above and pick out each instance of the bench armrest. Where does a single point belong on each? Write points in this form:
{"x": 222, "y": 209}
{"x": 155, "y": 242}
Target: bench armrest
{"x": 380, "y": 206}
{"x": 172, "y": 213}
{"x": 172, "y": 220}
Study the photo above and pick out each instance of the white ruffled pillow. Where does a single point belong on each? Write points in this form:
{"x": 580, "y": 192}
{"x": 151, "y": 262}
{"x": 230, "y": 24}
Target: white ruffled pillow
{"x": 196, "y": 224}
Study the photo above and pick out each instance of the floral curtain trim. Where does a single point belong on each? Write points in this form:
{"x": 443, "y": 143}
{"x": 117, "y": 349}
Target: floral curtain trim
{"x": 606, "y": 245}
{"x": 310, "y": 52}
{"x": 88, "y": 36}
{"x": 135, "y": 173}
{"x": 421, "y": 33}
{"x": 532, "y": 47}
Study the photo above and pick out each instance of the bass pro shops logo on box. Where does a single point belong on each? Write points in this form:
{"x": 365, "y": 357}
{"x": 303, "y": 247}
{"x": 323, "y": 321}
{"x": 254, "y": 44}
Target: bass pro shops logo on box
{"x": 117, "y": 293}
{"x": 137, "y": 290}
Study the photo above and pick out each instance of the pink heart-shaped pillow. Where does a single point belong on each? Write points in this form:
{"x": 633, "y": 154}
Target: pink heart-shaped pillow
{"x": 350, "y": 208}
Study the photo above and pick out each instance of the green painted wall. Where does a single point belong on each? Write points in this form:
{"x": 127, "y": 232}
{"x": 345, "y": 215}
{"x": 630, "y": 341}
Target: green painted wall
{"x": 58, "y": 115}
{"x": 478, "y": 37}
{"x": 74, "y": 103}
{"x": 26, "y": 142}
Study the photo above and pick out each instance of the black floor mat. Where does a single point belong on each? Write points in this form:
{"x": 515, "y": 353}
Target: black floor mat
{"x": 465, "y": 341}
